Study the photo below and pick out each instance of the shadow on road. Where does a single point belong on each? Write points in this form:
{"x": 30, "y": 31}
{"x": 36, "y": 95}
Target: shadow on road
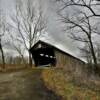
{"x": 25, "y": 85}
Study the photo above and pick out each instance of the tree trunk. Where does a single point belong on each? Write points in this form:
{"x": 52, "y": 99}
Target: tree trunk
{"x": 94, "y": 56}
{"x": 2, "y": 53}
{"x": 24, "y": 60}
{"x": 30, "y": 60}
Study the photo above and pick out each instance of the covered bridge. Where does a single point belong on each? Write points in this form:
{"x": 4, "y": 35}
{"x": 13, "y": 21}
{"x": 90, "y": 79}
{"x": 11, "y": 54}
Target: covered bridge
{"x": 46, "y": 54}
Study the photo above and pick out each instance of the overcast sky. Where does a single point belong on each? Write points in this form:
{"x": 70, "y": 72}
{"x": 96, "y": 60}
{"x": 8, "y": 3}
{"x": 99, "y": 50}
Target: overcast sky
{"x": 55, "y": 31}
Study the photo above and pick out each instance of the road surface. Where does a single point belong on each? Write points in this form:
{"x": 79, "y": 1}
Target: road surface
{"x": 25, "y": 85}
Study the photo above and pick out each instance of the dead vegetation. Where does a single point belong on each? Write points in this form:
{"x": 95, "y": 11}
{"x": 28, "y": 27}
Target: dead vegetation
{"x": 70, "y": 86}
{"x": 14, "y": 67}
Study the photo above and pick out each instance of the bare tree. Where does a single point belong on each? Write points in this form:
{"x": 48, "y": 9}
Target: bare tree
{"x": 30, "y": 23}
{"x": 2, "y": 32}
{"x": 16, "y": 44}
{"x": 82, "y": 22}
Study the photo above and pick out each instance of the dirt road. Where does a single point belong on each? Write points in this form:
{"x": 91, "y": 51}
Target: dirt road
{"x": 25, "y": 85}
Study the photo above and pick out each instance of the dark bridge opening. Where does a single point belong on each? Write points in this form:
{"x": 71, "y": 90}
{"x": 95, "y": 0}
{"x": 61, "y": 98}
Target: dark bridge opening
{"x": 44, "y": 56}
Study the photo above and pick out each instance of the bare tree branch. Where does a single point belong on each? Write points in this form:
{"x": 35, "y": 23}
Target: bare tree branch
{"x": 81, "y": 22}
{"x": 29, "y": 23}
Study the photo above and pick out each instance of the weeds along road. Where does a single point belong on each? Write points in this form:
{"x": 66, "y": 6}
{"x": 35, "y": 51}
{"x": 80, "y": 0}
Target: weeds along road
{"x": 25, "y": 85}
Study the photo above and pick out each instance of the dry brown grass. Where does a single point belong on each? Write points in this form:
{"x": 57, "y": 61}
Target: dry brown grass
{"x": 69, "y": 87}
{"x": 13, "y": 67}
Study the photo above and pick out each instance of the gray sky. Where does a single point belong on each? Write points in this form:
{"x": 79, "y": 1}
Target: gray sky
{"x": 54, "y": 26}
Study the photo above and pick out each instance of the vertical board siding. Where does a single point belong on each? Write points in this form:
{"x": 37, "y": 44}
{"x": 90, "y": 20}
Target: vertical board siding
{"x": 68, "y": 62}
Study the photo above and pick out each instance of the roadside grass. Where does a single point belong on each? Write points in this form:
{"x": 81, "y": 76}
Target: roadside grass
{"x": 63, "y": 84}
